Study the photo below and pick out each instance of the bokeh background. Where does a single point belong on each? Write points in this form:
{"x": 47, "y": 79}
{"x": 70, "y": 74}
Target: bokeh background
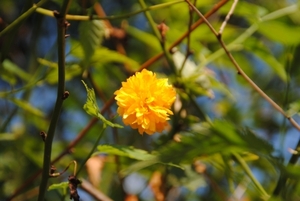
{"x": 217, "y": 114}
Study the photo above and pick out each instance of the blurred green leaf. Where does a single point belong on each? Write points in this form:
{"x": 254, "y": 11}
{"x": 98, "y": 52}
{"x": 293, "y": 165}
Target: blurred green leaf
{"x": 146, "y": 38}
{"x": 71, "y": 71}
{"x": 91, "y": 35}
{"x": 103, "y": 55}
{"x": 280, "y": 32}
{"x": 15, "y": 70}
{"x": 222, "y": 137}
{"x": 127, "y": 151}
{"x": 27, "y": 107}
{"x": 62, "y": 185}
{"x": 250, "y": 11}
{"x": 7, "y": 136}
{"x": 92, "y": 108}
{"x": 294, "y": 108}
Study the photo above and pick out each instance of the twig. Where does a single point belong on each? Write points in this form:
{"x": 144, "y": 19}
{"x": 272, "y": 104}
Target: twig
{"x": 98, "y": 195}
{"x": 23, "y": 17}
{"x": 228, "y": 16}
{"x": 113, "y": 17}
{"x": 79, "y": 137}
{"x": 294, "y": 158}
{"x": 92, "y": 150}
{"x": 158, "y": 35}
{"x": 180, "y": 39}
{"x": 242, "y": 73}
{"x": 61, "y": 32}
{"x": 188, "y": 50}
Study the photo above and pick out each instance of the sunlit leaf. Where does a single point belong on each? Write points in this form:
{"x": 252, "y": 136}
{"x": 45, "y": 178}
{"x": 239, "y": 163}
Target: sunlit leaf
{"x": 62, "y": 185}
{"x": 91, "y": 35}
{"x": 7, "y": 136}
{"x": 280, "y": 32}
{"x": 146, "y": 38}
{"x": 294, "y": 108}
{"x": 103, "y": 56}
{"x": 92, "y": 108}
{"x": 127, "y": 151}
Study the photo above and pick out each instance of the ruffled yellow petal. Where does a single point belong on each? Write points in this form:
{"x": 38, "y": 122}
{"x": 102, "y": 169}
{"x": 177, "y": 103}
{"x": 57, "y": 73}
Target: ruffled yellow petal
{"x": 144, "y": 102}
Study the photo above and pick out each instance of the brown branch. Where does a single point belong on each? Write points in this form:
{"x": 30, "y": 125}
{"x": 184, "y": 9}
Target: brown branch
{"x": 180, "y": 39}
{"x": 89, "y": 188}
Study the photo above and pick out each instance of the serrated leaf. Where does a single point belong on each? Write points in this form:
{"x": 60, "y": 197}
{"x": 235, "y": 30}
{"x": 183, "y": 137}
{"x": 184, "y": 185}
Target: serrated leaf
{"x": 91, "y": 35}
{"x": 126, "y": 151}
{"x": 62, "y": 185}
{"x": 92, "y": 108}
{"x": 27, "y": 107}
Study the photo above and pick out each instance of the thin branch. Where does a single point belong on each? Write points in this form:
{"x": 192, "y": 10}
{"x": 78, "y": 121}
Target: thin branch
{"x": 188, "y": 49}
{"x": 294, "y": 158}
{"x": 180, "y": 39}
{"x": 112, "y": 17}
{"x": 61, "y": 31}
{"x": 228, "y": 16}
{"x": 68, "y": 150}
{"x": 98, "y": 195}
{"x": 242, "y": 73}
{"x": 159, "y": 36}
{"x": 23, "y": 17}
{"x": 92, "y": 150}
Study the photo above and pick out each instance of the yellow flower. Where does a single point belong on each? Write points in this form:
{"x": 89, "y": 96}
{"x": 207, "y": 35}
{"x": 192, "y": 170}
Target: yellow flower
{"x": 144, "y": 102}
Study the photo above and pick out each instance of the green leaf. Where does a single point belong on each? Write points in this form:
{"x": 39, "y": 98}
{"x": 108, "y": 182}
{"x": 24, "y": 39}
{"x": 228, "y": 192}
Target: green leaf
{"x": 103, "y": 55}
{"x": 27, "y": 107}
{"x": 92, "y": 108}
{"x": 62, "y": 185}
{"x": 280, "y": 32}
{"x": 91, "y": 35}
{"x": 7, "y": 136}
{"x": 245, "y": 9}
{"x": 148, "y": 39}
{"x": 52, "y": 78}
{"x": 294, "y": 108}
{"x": 126, "y": 151}
{"x": 221, "y": 137}
{"x": 15, "y": 70}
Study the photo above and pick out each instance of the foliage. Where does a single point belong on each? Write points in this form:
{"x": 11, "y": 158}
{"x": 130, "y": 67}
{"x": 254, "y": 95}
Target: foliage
{"x": 233, "y": 133}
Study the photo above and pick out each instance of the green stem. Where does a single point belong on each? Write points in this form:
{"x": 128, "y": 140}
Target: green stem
{"x": 158, "y": 35}
{"x": 93, "y": 149}
{"x": 61, "y": 30}
{"x": 23, "y": 17}
{"x": 246, "y": 168}
{"x": 112, "y": 17}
